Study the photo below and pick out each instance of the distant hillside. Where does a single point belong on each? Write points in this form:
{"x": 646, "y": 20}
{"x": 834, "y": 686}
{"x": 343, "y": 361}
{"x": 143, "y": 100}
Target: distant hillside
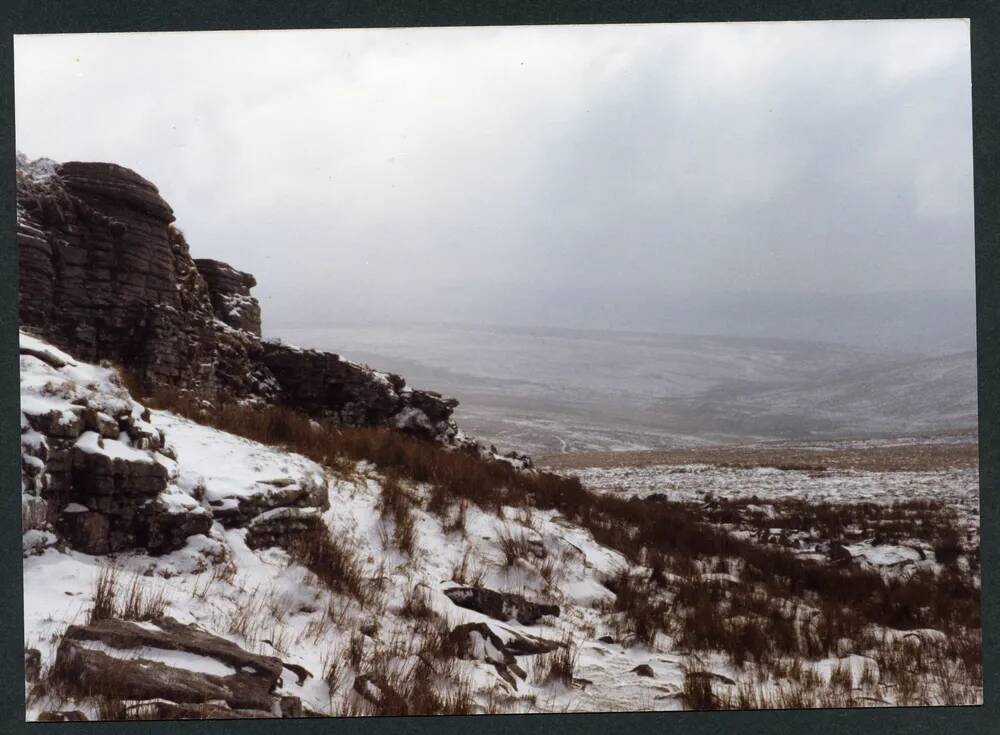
{"x": 552, "y": 390}
{"x": 919, "y": 395}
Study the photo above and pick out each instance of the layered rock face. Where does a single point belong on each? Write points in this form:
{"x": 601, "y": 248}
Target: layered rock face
{"x": 229, "y": 290}
{"x": 94, "y": 468}
{"x": 104, "y": 274}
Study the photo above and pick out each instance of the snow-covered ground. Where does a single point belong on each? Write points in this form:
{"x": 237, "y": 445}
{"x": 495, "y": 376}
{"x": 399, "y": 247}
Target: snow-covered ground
{"x": 266, "y": 602}
{"x": 292, "y": 609}
{"x": 952, "y": 482}
{"x": 692, "y": 482}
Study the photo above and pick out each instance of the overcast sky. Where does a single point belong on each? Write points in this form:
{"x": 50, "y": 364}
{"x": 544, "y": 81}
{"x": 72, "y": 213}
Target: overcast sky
{"x": 476, "y": 172}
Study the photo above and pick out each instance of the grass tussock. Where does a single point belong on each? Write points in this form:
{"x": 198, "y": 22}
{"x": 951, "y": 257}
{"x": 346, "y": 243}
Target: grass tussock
{"x": 516, "y": 546}
{"x": 333, "y": 562}
{"x": 135, "y": 600}
{"x": 397, "y": 508}
{"x": 558, "y": 665}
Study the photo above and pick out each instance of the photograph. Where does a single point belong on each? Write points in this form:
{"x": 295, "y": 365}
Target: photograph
{"x": 490, "y": 370}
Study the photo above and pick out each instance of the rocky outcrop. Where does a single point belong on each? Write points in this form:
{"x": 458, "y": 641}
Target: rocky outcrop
{"x": 105, "y": 274}
{"x": 500, "y": 605}
{"x": 93, "y": 467}
{"x": 478, "y": 642}
{"x": 164, "y": 659}
{"x": 98, "y": 476}
{"x": 283, "y": 494}
{"x": 350, "y": 394}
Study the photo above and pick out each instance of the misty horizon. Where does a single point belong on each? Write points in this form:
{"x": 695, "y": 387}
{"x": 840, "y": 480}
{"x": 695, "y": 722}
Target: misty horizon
{"x": 931, "y": 322}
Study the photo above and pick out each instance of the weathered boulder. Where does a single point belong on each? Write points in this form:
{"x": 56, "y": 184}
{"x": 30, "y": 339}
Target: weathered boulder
{"x": 839, "y": 554}
{"x": 282, "y": 526}
{"x": 644, "y": 670}
{"x": 500, "y": 605}
{"x": 477, "y": 642}
{"x": 300, "y": 493}
{"x": 164, "y": 659}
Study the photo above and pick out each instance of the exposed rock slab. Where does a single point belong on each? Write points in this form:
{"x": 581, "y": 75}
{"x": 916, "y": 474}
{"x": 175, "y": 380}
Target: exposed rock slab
{"x": 500, "y": 605}
{"x": 126, "y": 660}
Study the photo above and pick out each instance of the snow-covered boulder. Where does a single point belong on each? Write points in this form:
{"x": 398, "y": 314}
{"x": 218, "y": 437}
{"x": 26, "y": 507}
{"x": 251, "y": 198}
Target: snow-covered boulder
{"x": 500, "y": 605}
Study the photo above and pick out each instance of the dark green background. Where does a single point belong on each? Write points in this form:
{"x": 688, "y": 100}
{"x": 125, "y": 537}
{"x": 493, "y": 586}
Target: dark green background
{"x": 176, "y": 15}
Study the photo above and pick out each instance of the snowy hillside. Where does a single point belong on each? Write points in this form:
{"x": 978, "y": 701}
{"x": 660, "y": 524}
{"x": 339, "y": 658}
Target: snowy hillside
{"x": 232, "y": 578}
{"x": 263, "y": 601}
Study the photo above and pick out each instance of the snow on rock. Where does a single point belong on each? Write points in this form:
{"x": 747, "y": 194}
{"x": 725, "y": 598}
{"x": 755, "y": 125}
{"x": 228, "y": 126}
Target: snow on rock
{"x": 167, "y": 660}
{"x": 98, "y": 470}
{"x": 237, "y": 478}
{"x": 92, "y": 464}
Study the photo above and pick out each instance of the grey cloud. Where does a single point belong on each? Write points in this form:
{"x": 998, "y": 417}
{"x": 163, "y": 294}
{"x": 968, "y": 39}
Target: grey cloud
{"x": 509, "y": 174}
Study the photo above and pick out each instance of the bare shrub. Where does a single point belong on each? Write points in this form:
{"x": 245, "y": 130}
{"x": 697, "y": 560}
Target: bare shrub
{"x": 644, "y": 612}
{"x": 467, "y": 572}
{"x": 356, "y": 650}
{"x": 697, "y": 692}
{"x": 415, "y": 605}
{"x": 141, "y": 603}
{"x": 948, "y": 548}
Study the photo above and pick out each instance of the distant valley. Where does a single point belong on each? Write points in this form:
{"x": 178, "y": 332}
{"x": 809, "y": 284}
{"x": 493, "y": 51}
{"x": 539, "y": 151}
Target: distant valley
{"x": 565, "y": 390}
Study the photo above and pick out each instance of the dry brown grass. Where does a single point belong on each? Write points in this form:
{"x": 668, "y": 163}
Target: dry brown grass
{"x": 558, "y": 665}
{"x": 514, "y": 544}
{"x": 137, "y": 600}
{"x": 932, "y": 521}
{"x": 645, "y": 613}
{"x": 897, "y": 457}
{"x": 397, "y": 508}
{"x": 333, "y": 563}
{"x": 415, "y": 605}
